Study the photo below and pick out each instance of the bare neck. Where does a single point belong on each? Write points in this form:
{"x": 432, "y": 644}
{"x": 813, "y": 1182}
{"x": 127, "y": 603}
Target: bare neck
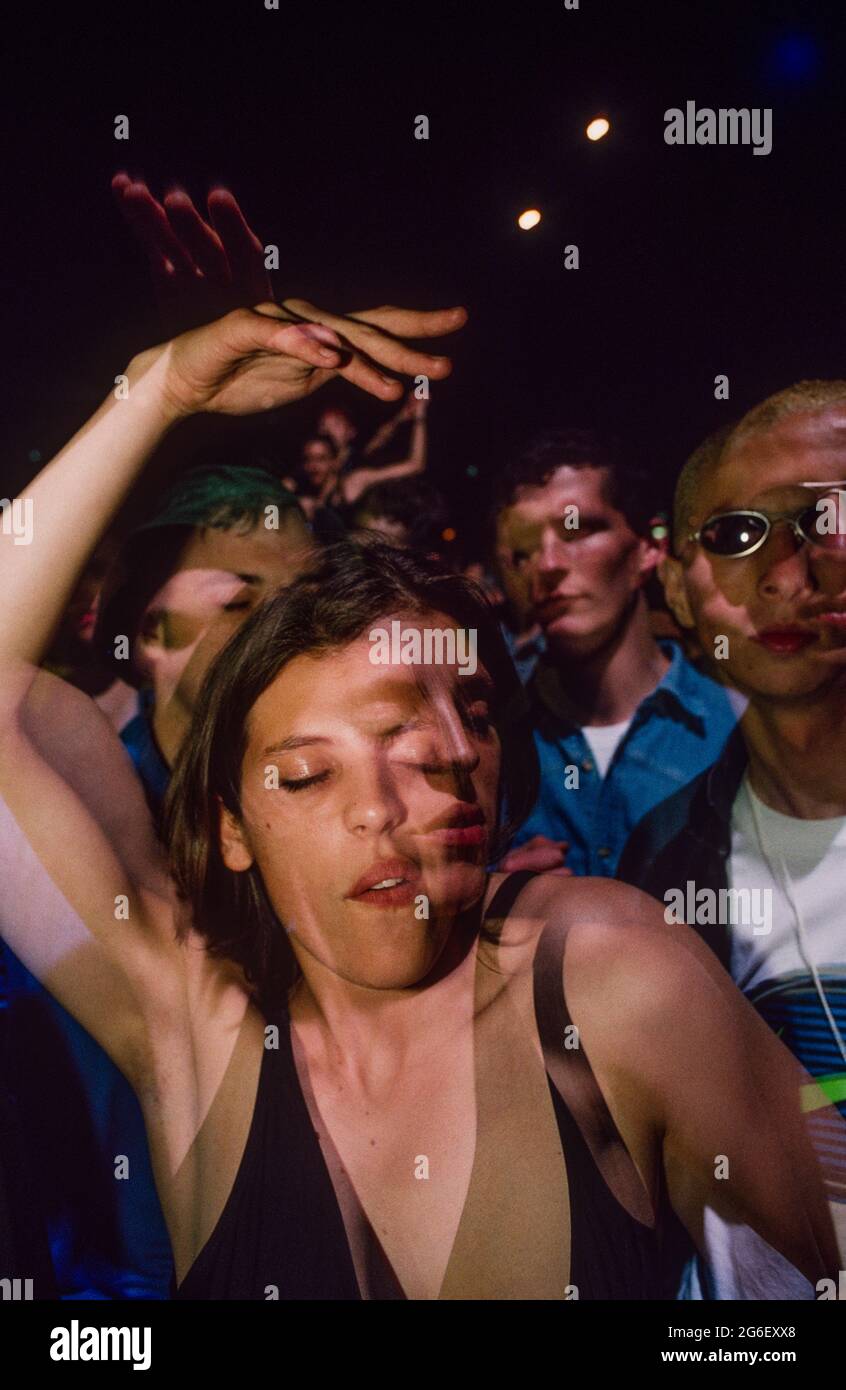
{"x": 607, "y": 686}
{"x": 376, "y": 1036}
{"x": 797, "y": 755}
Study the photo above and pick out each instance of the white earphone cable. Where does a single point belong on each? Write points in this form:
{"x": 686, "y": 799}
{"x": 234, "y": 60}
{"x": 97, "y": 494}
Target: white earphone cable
{"x": 786, "y": 885}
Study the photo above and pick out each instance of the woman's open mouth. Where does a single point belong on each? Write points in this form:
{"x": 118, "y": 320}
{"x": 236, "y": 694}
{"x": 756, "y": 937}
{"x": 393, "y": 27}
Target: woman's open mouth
{"x": 387, "y": 883}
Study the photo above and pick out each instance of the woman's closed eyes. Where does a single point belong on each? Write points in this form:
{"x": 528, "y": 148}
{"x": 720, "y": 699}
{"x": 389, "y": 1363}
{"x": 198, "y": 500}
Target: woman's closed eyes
{"x": 297, "y": 784}
{"x": 411, "y": 746}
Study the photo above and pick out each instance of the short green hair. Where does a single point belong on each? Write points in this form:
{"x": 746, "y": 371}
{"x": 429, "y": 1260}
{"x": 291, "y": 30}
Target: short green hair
{"x": 802, "y": 398}
{"x": 224, "y": 497}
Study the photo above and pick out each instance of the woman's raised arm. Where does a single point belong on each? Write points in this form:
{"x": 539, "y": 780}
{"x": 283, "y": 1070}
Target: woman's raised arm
{"x": 63, "y": 774}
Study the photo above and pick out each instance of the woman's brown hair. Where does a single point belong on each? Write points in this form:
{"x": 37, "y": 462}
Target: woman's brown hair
{"x": 351, "y": 587}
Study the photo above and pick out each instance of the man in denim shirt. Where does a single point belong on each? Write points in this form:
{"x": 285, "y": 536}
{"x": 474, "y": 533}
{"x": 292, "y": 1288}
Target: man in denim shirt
{"x": 621, "y": 720}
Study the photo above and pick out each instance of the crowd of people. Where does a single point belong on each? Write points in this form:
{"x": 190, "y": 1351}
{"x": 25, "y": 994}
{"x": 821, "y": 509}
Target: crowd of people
{"x": 325, "y": 978}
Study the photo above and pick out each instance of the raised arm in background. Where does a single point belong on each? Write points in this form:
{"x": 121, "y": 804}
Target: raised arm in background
{"x": 353, "y": 485}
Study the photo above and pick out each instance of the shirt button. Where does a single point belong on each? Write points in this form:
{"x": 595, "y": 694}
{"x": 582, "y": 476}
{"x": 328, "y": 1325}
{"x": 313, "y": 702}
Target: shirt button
{"x": 587, "y": 765}
{"x": 604, "y": 852}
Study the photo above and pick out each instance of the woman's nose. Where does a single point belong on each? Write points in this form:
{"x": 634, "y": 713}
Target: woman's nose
{"x": 374, "y": 803}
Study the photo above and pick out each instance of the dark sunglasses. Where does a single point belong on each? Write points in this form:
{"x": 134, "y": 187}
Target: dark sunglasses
{"x": 733, "y": 534}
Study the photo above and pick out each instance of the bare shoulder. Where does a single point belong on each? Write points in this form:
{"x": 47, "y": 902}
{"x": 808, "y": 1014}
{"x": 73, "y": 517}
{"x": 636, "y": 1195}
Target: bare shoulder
{"x": 553, "y": 900}
{"x": 600, "y": 901}
{"x": 595, "y": 910}
{"x": 617, "y": 945}
{"x": 629, "y": 982}
{"x": 650, "y": 1000}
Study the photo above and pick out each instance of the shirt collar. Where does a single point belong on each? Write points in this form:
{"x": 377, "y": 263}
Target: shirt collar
{"x": 528, "y": 646}
{"x": 679, "y": 692}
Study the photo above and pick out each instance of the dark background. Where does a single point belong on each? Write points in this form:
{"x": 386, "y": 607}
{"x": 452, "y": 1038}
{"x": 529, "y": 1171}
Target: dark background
{"x": 694, "y": 261}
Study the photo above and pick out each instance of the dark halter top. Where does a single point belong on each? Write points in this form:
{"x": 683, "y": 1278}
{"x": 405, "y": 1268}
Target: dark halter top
{"x": 281, "y": 1233}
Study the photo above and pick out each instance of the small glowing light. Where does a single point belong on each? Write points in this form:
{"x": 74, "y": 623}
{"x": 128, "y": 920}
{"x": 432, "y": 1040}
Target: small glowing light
{"x": 598, "y": 127}
{"x": 448, "y": 534}
{"x": 472, "y": 470}
{"x": 528, "y": 219}
{"x": 35, "y": 455}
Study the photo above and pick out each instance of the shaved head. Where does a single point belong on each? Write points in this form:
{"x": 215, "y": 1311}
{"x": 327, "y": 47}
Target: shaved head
{"x": 701, "y": 464}
{"x": 803, "y": 398}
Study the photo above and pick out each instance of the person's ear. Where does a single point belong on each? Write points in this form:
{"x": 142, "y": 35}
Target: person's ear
{"x": 234, "y": 847}
{"x": 671, "y": 573}
{"x": 653, "y": 546}
{"x": 659, "y": 535}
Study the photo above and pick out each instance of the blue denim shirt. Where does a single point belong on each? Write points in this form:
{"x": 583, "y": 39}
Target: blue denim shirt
{"x": 137, "y": 739}
{"x": 676, "y": 732}
{"x": 525, "y": 654}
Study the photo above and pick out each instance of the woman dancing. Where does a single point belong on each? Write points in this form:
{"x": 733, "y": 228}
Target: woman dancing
{"x": 368, "y": 1068}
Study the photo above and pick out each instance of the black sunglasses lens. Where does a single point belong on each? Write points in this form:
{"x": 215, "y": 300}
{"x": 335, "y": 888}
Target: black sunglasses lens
{"x": 822, "y": 526}
{"x": 733, "y": 533}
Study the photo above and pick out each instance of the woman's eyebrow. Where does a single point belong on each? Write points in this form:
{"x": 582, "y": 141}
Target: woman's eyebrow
{"x": 475, "y": 686}
{"x": 284, "y": 745}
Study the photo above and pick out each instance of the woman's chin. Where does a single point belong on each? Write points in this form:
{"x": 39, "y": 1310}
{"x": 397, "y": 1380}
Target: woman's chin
{"x": 396, "y": 952}
{"x": 377, "y": 942}
{"x": 394, "y": 972}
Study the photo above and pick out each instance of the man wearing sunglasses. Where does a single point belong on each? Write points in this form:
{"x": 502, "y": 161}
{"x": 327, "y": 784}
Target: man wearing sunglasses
{"x": 759, "y": 571}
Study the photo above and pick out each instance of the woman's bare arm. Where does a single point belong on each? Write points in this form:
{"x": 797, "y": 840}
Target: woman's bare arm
{"x": 696, "y": 1080}
{"x": 63, "y": 774}
{"x": 106, "y": 968}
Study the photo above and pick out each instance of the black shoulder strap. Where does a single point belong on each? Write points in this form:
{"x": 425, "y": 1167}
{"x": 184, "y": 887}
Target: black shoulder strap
{"x": 572, "y": 1076}
{"x": 506, "y": 895}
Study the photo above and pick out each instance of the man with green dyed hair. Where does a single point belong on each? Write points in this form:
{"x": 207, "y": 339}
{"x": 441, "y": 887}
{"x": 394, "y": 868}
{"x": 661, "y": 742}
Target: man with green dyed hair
{"x": 220, "y": 540}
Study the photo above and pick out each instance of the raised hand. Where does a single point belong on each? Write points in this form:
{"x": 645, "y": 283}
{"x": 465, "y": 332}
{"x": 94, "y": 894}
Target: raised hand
{"x": 406, "y": 410}
{"x": 200, "y": 268}
{"x": 541, "y": 855}
{"x": 411, "y": 409}
{"x": 258, "y": 359}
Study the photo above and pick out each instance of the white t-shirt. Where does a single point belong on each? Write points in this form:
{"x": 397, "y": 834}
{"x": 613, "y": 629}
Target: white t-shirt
{"x": 814, "y": 854}
{"x": 602, "y": 739}
{"x": 740, "y": 1264}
